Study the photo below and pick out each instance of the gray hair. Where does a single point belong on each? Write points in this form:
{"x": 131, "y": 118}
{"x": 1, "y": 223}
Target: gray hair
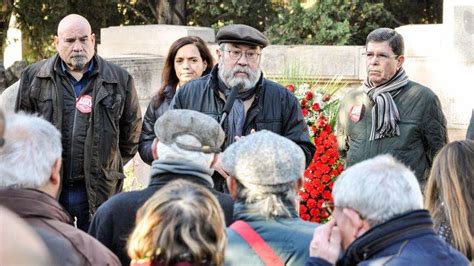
{"x": 378, "y": 189}
{"x": 394, "y": 39}
{"x": 32, "y": 146}
{"x": 266, "y": 201}
{"x": 173, "y": 152}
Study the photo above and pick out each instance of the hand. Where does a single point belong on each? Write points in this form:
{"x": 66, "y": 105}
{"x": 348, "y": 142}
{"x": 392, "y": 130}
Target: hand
{"x": 326, "y": 242}
{"x": 217, "y": 165}
{"x": 237, "y": 138}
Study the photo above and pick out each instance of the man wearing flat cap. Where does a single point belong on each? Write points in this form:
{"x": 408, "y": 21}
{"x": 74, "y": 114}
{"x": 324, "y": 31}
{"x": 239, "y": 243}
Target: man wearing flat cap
{"x": 266, "y": 173}
{"x": 260, "y": 103}
{"x": 187, "y": 144}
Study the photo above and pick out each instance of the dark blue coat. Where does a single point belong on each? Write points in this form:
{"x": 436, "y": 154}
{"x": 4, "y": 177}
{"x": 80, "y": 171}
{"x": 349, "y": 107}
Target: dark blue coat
{"x": 408, "y": 239}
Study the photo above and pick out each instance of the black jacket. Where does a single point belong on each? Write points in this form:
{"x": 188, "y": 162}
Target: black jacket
{"x": 422, "y": 129}
{"x": 113, "y": 126}
{"x": 148, "y": 134}
{"x": 408, "y": 239}
{"x": 115, "y": 219}
{"x": 274, "y": 108}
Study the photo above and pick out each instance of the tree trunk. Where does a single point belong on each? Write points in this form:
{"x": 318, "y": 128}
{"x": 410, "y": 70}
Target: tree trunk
{"x": 171, "y": 12}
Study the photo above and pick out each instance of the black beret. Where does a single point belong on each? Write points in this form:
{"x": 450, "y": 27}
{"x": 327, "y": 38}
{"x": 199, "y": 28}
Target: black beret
{"x": 240, "y": 33}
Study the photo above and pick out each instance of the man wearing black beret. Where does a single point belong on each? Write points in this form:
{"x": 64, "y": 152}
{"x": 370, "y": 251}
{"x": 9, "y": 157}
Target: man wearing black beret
{"x": 259, "y": 103}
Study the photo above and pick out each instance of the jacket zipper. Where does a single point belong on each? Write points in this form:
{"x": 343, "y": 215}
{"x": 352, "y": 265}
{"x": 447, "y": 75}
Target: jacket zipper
{"x": 72, "y": 137}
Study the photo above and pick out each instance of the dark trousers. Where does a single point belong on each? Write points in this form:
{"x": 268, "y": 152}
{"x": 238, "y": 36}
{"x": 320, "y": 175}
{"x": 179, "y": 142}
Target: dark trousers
{"x": 73, "y": 197}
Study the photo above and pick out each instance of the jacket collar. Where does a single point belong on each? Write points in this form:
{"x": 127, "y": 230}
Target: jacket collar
{"x": 380, "y": 237}
{"x": 249, "y": 213}
{"x": 32, "y": 203}
{"x": 163, "y": 179}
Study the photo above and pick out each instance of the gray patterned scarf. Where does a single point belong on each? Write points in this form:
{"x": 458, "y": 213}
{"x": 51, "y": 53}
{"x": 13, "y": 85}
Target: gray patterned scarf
{"x": 385, "y": 115}
{"x": 236, "y": 116}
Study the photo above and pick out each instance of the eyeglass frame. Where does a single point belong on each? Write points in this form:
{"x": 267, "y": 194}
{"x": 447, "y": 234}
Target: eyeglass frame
{"x": 379, "y": 57}
{"x": 242, "y": 53}
{"x": 330, "y": 207}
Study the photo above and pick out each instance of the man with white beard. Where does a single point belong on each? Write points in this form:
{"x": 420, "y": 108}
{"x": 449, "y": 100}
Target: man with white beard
{"x": 259, "y": 103}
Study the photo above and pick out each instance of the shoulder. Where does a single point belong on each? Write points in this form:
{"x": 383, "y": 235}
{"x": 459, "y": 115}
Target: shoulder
{"x": 417, "y": 89}
{"x": 112, "y": 72}
{"x": 122, "y": 203}
{"x": 194, "y": 87}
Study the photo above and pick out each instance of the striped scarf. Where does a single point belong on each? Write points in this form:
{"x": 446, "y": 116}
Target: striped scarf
{"x": 385, "y": 115}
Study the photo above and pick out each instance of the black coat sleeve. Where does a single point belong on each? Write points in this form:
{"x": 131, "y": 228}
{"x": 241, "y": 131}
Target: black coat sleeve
{"x": 147, "y": 135}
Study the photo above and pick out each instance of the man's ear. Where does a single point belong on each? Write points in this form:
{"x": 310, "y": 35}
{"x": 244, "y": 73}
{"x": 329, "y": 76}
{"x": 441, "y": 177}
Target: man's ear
{"x": 400, "y": 61}
{"x": 299, "y": 184}
{"x": 232, "y": 186}
{"x": 219, "y": 53}
{"x": 56, "y": 41}
{"x": 154, "y": 148}
{"x": 55, "y": 177}
{"x": 93, "y": 38}
{"x": 360, "y": 225}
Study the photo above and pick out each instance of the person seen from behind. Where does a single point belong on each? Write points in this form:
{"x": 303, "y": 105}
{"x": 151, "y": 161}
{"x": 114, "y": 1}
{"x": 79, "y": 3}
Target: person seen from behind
{"x": 181, "y": 224}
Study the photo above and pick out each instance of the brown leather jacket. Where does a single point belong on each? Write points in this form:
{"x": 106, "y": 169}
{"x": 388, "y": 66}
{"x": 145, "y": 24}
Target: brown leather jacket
{"x": 41, "y": 210}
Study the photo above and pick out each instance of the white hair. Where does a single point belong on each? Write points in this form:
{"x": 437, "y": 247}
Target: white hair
{"x": 32, "y": 145}
{"x": 173, "y": 152}
{"x": 378, "y": 189}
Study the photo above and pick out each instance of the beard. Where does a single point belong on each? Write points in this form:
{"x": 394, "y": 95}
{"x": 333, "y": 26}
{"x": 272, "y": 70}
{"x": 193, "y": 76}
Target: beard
{"x": 78, "y": 62}
{"x": 230, "y": 80}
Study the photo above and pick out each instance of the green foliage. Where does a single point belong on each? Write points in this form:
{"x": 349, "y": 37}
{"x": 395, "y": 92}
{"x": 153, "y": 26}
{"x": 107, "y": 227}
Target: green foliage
{"x": 38, "y": 21}
{"x": 329, "y": 22}
{"x": 217, "y": 13}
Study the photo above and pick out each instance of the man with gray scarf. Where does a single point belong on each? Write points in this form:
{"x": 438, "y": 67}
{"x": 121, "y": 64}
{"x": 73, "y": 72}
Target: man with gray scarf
{"x": 186, "y": 145}
{"x": 266, "y": 173}
{"x": 259, "y": 104}
{"x": 390, "y": 113}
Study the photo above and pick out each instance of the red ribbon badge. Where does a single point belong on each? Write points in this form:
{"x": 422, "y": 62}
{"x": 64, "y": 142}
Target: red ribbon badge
{"x": 356, "y": 112}
{"x": 84, "y": 104}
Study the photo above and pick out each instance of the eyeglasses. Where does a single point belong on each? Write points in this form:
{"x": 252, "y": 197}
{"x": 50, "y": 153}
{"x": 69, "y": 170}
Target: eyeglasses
{"x": 329, "y": 206}
{"x": 378, "y": 57}
{"x": 237, "y": 54}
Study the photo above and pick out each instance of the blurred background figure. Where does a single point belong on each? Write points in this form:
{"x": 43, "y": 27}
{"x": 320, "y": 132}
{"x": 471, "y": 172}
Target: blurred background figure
{"x": 188, "y": 58}
{"x": 20, "y": 245}
{"x": 181, "y": 224}
{"x": 266, "y": 172}
{"x": 449, "y": 195}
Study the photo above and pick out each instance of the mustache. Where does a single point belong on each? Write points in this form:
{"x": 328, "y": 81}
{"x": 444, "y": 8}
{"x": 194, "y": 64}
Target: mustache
{"x": 241, "y": 69}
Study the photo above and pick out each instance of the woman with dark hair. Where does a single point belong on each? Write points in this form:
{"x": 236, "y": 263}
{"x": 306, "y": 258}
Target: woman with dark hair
{"x": 181, "y": 224}
{"x": 449, "y": 195}
{"x": 188, "y": 58}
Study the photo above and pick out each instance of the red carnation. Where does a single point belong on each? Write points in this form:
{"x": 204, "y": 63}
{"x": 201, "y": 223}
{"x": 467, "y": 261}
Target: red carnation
{"x": 316, "y": 107}
{"x": 305, "y": 112}
{"x": 326, "y": 97}
{"x": 290, "y": 87}
{"x": 309, "y": 95}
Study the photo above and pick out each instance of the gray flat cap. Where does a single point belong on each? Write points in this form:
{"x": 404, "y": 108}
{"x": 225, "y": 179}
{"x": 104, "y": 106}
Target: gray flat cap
{"x": 175, "y": 123}
{"x": 240, "y": 33}
{"x": 264, "y": 158}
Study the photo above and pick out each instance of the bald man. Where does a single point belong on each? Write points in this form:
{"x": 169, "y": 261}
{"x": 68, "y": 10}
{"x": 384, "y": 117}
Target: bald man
{"x": 95, "y": 105}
